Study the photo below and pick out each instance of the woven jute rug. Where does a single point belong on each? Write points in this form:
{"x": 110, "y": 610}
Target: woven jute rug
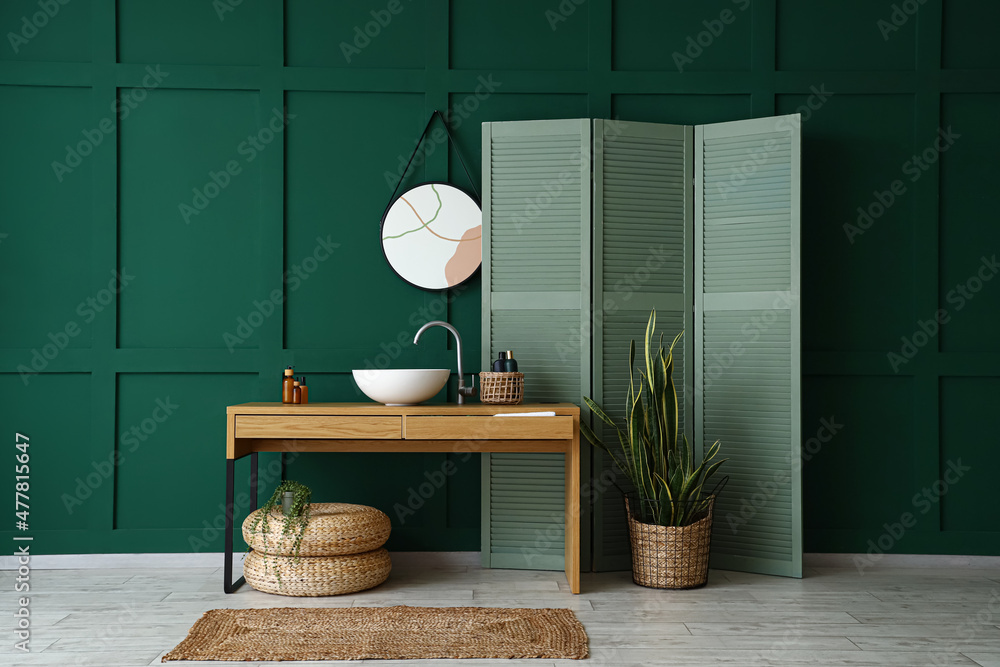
{"x": 387, "y": 633}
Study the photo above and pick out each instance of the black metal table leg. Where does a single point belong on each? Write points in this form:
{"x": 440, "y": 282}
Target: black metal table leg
{"x": 253, "y": 480}
{"x": 230, "y": 586}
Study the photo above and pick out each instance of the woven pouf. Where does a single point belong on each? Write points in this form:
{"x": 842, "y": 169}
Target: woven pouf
{"x": 334, "y": 529}
{"x": 340, "y": 552}
{"x": 316, "y": 576}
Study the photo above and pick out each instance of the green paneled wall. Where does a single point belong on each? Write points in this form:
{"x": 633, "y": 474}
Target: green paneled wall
{"x": 316, "y": 188}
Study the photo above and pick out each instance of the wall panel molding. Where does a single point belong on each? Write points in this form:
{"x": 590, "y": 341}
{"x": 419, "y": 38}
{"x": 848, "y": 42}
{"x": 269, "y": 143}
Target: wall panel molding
{"x": 888, "y": 99}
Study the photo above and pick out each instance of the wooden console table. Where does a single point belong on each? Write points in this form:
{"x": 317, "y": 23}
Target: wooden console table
{"x": 371, "y": 427}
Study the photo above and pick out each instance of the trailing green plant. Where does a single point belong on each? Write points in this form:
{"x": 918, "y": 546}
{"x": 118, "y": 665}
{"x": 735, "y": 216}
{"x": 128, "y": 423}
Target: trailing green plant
{"x": 295, "y": 520}
{"x": 659, "y": 463}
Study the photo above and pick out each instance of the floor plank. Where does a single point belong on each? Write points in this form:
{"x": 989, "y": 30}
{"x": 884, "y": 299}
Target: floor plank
{"x": 785, "y": 658}
{"x": 852, "y": 630}
{"x": 831, "y": 617}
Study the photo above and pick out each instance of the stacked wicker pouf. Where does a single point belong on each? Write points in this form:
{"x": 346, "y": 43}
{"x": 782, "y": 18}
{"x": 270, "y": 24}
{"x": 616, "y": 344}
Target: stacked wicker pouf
{"x": 341, "y": 552}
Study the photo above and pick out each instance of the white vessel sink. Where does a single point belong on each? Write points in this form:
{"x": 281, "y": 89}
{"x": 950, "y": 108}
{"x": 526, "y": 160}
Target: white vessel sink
{"x": 401, "y": 386}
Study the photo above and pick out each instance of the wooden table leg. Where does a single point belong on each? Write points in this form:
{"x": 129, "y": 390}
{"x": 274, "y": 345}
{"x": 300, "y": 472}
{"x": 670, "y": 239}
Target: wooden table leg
{"x": 572, "y": 553}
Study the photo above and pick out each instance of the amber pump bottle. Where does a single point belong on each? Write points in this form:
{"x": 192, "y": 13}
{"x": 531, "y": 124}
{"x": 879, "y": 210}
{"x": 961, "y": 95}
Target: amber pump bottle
{"x": 287, "y": 385}
{"x": 303, "y": 391}
{"x": 296, "y": 392}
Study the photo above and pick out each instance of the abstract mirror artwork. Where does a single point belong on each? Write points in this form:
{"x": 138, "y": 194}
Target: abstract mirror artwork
{"x": 432, "y": 236}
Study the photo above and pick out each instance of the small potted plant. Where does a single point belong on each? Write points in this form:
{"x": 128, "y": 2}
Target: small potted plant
{"x": 670, "y": 511}
{"x": 292, "y": 501}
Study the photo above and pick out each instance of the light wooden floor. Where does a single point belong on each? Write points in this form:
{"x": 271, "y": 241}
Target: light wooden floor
{"x": 908, "y": 617}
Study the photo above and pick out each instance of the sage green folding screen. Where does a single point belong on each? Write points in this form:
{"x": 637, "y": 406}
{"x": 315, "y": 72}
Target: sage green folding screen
{"x": 700, "y": 223}
{"x": 642, "y": 219}
{"x": 747, "y": 342}
{"x": 536, "y": 302}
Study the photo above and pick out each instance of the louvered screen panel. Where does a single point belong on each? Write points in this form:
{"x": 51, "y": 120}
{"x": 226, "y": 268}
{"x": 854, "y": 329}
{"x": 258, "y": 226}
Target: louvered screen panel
{"x": 536, "y": 301}
{"x": 611, "y": 530}
{"x": 643, "y": 190}
{"x": 619, "y": 329}
{"x": 747, "y": 235}
{"x": 642, "y": 230}
{"x": 748, "y": 343}
{"x": 540, "y": 341}
{"x": 527, "y": 535}
{"x": 535, "y": 214}
{"x": 748, "y": 407}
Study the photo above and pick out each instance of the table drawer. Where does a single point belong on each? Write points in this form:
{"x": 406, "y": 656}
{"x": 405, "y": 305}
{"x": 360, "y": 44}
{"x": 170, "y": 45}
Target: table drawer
{"x": 318, "y": 426}
{"x": 489, "y": 428}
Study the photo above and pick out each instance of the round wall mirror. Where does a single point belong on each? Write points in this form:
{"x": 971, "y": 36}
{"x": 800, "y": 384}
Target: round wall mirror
{"x": 432, "y": 236}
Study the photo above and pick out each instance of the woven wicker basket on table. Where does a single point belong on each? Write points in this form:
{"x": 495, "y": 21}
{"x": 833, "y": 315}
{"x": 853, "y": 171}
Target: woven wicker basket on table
{"x": 501, "y": 388}
{"x": 339, "y": 553}
{"x": 669, "y": 556}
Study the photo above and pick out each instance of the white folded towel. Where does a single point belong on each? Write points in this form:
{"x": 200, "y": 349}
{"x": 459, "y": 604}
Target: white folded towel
{"x": 526, "y": 414}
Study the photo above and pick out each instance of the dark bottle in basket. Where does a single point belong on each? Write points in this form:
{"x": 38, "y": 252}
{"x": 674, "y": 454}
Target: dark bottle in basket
{"x": 510, "y": 364}
{"x": 498, "y": 364}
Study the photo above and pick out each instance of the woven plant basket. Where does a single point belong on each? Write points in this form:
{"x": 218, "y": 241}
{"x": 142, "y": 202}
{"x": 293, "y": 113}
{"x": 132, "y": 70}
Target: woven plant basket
{"x": 668, "y": 556}
{"x": 334, "y": 529}
{"x": 501, "y": 388}
{"x": 317, "y": 576}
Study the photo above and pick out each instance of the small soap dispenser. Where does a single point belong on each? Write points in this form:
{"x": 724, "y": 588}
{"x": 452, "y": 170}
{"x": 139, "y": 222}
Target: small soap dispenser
{"x": 287, "y": 385}
{"x": 296, "y": 392}
{"x": 303, "y": 391}
{"x": 498, "y": 364}
{"x": 509, "y": 364}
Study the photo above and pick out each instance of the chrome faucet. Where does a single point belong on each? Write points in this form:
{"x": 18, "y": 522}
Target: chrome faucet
{"x": 463, "y": 391}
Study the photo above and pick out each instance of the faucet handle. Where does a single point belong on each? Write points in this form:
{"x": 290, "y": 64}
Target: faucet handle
{"x": 471, "y": 389}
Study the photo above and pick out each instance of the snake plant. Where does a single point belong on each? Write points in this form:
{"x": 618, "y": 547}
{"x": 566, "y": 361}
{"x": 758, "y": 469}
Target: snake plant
{"x": 660, "y": 463}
